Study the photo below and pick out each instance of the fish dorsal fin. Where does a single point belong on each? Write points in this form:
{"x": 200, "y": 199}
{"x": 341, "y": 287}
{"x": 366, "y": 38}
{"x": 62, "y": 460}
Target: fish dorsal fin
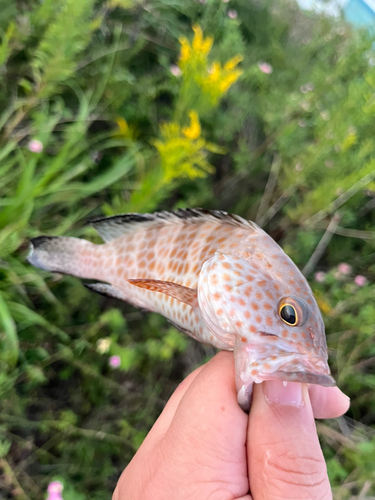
{"x": 110, "y": 228}
{"x": 179, "y": 292}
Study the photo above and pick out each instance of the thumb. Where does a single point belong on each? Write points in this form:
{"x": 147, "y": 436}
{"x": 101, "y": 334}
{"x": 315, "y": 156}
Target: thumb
{"x": 284, "y": 456}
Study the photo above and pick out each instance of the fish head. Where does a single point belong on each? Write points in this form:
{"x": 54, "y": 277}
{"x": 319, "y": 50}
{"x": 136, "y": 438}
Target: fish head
{"x": 270, "y": 318}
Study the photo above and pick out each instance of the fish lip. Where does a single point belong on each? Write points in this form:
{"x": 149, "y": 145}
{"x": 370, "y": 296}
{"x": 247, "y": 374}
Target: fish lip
{"x": 266, "y": 334}
{"x": 324, "y": 380}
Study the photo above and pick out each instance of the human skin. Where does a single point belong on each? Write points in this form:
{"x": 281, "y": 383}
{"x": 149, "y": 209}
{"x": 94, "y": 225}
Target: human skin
{"x": 204, "y": 447}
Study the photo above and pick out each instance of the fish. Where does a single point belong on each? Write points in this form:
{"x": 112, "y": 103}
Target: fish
{"x": 217, "y": 277}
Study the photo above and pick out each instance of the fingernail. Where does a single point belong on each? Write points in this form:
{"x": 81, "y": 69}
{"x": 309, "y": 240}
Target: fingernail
{"x": 283, "y": 393}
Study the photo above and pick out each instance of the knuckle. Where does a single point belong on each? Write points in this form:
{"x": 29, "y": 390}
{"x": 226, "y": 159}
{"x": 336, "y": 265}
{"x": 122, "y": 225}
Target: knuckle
{"x": 303, "y": 473}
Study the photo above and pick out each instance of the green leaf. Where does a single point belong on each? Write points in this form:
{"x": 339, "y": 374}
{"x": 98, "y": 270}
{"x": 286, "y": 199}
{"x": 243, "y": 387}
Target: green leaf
{"x": 8, "y": 336}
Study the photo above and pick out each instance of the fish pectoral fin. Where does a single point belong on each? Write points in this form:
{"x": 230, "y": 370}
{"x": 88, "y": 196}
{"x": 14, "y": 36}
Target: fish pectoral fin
{"x": 179, "y": 292}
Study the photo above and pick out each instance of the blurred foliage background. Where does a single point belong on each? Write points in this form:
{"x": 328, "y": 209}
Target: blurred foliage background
{"x": 107, "y": 107}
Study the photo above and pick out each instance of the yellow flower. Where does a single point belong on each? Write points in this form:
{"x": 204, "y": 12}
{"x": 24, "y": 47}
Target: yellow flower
{"x": 214, "y": 72}
{"x": 199, "y": 43}
{"x": 183, "y": 151}
{"x": 232, "y": 63}
{"x": 196, "y": 53}
{"x": 229, "y": 80}
{"x": 124, "y": 130}
{"x": 193, "y": 131}
{"x": 212, "y": 79}
{"x": 123, "y": 126}
{"x": 185, "y": 50}
{"x": 323, "y": 304}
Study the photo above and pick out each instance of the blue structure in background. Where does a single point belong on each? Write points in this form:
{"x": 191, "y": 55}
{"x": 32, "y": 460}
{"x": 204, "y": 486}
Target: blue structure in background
{"x": 360, "y": 12}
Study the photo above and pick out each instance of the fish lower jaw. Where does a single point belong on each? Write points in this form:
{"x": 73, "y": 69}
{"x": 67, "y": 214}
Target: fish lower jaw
{"x": 323, "y": 379}
{"x": 304, "y": 369}
{"x": 244, "y": 391}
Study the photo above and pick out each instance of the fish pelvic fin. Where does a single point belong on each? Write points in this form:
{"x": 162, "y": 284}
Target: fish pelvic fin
{"x": 179, "y": 292}
{"x": 106, "y": 290}
{"x": 62, "y": 255}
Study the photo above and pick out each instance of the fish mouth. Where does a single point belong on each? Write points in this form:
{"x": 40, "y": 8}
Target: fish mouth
{"x": 323, "y": 379}
{"x": 305, "y": 368}
{"x": 257, "y": 363}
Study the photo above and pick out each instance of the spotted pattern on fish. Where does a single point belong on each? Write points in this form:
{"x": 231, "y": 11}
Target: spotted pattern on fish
{"x": 216, "y": 276}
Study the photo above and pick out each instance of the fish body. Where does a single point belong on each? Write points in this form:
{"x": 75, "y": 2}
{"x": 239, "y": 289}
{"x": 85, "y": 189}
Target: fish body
{"x": 219, "y": 278}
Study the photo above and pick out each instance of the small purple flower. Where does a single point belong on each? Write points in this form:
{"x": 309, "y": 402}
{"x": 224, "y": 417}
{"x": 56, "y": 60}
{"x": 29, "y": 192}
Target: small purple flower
{"x": 360, "y": 280}
{"x": 114, "y": 361}
{"x": 344, "y": 268}
{"x": 320, "y": 276}
{"x": 175, "y": 70}
{"x": 265, "y": 68}
{"x": 55, "y": 490}
{"x": 35, "y": 146}
{"x": 233, "y": 14}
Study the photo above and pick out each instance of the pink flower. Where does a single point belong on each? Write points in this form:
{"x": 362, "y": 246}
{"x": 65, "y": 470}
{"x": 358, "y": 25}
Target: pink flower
{"x": 54, "y": 490}
{"x": 265, "y": 68}
{"x": 360, "y": 280}
{"x": 320, "y": 276}
{"x": 175, "y": 70}
{"x": 54, "y": 496}
{"x": 114, "y": 361}
{"x": 35, "y": 146}
{"x": 55, "y": 487}
{"x": 344, "y": 268}
{"x": 233, "y": 14}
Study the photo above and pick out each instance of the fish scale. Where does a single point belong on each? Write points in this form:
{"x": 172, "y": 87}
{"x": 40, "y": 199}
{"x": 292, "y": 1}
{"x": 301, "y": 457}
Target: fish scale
{"x": 217, "y": 277}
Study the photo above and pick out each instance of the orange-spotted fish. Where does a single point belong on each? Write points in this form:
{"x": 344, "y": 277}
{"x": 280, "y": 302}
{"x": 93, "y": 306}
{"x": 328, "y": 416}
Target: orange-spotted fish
{"x": 219, "y": 278}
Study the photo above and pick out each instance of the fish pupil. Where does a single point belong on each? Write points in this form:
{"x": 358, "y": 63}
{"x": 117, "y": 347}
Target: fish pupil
{"x": 288, "y": 314}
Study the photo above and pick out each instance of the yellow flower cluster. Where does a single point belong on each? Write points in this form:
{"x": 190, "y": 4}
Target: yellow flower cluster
{"x": 197, "y": 52}
{"x": 183, "y": 151}
{"x": 193, "y": 131}
{"x": 324, "y": 306}
{"x": 124, "y": 129}
{"x": 213, "y": 79}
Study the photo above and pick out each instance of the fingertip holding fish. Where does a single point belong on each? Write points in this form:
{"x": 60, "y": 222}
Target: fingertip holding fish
{"x": 283, "y": 393}
{"x": 219, "y": 278}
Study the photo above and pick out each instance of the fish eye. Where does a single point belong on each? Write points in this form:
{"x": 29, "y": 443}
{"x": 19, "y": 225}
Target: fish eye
{"x": 292, "y": 311}
{"x": 288, "y": 314}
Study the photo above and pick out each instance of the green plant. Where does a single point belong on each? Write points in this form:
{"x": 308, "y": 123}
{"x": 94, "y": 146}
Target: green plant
{"x": 266, "y": 113}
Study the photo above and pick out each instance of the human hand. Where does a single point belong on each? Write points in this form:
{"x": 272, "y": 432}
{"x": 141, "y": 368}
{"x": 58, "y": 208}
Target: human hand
{"x": 204, "y": 447}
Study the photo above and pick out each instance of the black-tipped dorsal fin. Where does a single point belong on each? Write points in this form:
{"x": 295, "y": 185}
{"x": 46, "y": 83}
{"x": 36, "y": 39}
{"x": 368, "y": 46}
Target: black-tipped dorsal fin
{"x": 110, "y": 228}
